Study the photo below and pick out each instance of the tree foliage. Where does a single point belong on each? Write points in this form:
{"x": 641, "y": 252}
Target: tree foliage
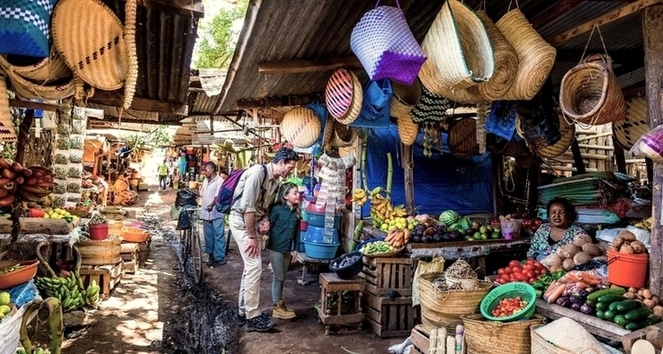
{"x": 149, "y": 141}
{"x": 218, "y": 38}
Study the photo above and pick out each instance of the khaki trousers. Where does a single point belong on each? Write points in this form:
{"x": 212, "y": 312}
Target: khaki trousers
{"x": 249, "y": 289}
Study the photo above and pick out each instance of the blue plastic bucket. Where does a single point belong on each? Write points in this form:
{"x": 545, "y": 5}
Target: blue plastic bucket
{"x": 302, "y": 238}
{"x": 320, "y": 250}
{"x": 318, "y": 219}
{"x": 317, "y": 234}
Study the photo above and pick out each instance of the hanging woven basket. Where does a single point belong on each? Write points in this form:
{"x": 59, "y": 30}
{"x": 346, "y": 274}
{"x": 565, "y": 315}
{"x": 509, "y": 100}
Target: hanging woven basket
{"x": 301, "y": 127}
{"x": 343, "y": 135}
{"x": 51, "y": 68}
{"x": 404, "y": 98}
{"x": 535, "y": 56}
{"x": 407, "y": 130}
{"x": 463, "y": 137}
{"x": 25, "y": 88}
{"x": 628, "y": 131}
{"x": 567, "y": 134}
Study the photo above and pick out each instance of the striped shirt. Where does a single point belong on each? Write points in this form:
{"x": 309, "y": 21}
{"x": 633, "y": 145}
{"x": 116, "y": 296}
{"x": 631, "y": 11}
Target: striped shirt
{"x": 208, "y": 192}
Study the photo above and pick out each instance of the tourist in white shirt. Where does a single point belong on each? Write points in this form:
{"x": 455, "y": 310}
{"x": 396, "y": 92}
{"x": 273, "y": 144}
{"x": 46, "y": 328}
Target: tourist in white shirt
{"x": 213, "y": 221}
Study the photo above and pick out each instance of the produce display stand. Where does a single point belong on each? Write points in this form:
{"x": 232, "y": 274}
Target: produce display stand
{"x": 385, "y": 274}
{"x": 130, "y": 257}
{"x": 594, "y": 325}
{"x": 106, "y": 276}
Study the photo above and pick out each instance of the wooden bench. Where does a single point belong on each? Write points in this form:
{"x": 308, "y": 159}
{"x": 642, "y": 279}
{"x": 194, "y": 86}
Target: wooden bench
{"x": 106, "y": 276}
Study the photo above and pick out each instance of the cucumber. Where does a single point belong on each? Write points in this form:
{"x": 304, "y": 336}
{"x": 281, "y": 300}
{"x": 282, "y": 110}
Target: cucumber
{"x": 638, "y": 314}
{"x": 613, "y": 306}
{"x": 600, "y": 315}
{"x": 602, "y": 306}
{"x": 633, "y": 325}
{"x": 608, "y": 299}
{"x": 609, "y": 315}
{"x": 628, "y": 305}
{"x": 609, "y": 291}
{"x": 620, "y": 320}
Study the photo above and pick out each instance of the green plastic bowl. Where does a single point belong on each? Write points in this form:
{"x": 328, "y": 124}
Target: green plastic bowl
{"x": 524, "y": 290}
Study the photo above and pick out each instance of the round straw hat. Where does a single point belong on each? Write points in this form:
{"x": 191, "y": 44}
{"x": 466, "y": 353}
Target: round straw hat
{"x": 356, "y": 104}
{"x": 46, "y": 70}
{"x": 301, "y": 127}
{"x": 90, "y": 38}
{"x": 339, "y": 92}
{"x": 463, "y": 137}
{"x": 535, "y": 56}
{"x": 628, "y": 131}
{"x": 343, "y": 135}
{"x": 407, "y": 129}
{"x": 567, "y": 134}
{"x": 404, "y": 98}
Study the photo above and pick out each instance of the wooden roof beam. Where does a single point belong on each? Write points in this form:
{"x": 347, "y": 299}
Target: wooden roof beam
{"x": 307, "y": 66}
{"x": 553, "y": 12}
{"x": 115, "y": 98}
{"x": 180, "y": 7}
{"x": 614, "y": 15}
{"x": 270, "y": 102}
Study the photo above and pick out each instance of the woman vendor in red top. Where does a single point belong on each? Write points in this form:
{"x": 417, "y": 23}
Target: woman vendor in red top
{"x": 556, "y": 233}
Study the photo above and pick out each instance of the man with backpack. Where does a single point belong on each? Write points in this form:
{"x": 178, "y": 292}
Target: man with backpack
{"x": 249, "y": 221}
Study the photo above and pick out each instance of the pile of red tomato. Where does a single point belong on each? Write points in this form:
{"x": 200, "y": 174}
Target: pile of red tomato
{"x": 527, "y": 271}
{"x": 509, "y": 306}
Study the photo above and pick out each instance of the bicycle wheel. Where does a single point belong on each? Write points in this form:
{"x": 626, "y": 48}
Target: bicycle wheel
{"x": 185, "y": 245}
{"x": 196, "y": 255}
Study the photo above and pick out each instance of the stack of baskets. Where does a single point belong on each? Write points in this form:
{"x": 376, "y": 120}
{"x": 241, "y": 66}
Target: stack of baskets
{"x": 483, "y": 336}
{"x": 444, "y": 308}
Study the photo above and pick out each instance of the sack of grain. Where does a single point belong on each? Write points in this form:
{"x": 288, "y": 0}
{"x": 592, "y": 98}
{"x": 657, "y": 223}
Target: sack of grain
{"x": 564, "y": 336}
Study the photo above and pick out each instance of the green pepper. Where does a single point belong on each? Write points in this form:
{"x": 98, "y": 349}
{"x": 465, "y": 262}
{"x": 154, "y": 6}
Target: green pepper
{"x": 558, "y": 274}
{"x": 539, "y": 285}
{"x": 539, "y": 293}
{"x": 546, "y": 278}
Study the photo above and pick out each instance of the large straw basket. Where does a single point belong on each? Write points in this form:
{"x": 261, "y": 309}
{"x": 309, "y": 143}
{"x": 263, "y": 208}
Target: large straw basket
{"x": 590, "y": 93}
{"x": 49, "y": 69}
{"x": 463, "y": 137}
{"x": 444, "y": 308}
{"x": 487, "y": 337}
{"x": 407, "y": 129}
{"x": 540, "y": 345}
{"x": 535, "y": 56}
{"x": 404, "y": 98}
{"x": 628, "y": 131}
{"x": 102, "y": 252}
{"x": 458, "y": 48}
{"x": 91, "y": 40}
{"x": 343, "y": 135}
{"x": 567, "y": 134}
{"x": 25, "y": 88}
{"x": 301, "y": 127}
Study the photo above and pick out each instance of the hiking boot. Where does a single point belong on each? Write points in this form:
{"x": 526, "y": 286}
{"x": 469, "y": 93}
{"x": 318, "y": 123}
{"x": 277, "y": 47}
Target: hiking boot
{"x": 216, "y": 263}
{"x": 259, "y": 324}
{"x": 240, "y": 320}
{"x": 282, "y": 312}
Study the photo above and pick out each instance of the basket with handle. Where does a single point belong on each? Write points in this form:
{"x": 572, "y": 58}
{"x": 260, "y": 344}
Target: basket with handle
{"x": 404, "y": 98}
{"x": 485, "y": 337}
{"x": 407, "y": 130}
{"x": 459, "y": 51}
{"x": 385, "y": 45}
{"x": 463, "y": 137}
{"x": 567, "y": 134}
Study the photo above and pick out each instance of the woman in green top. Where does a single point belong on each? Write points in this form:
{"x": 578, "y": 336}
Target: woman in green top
{"x": 283, "y": 242}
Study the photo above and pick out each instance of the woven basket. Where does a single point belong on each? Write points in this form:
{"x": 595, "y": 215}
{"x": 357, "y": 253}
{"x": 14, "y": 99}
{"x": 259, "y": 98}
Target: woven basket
{"x": 7, "y": 132}
{"x": 430, "y": 108}
{"x": 404, "y": 98}
{"x": 458, "y": 48}
{"x": 46, "y": 70}
{"x": 628, "y": 131}
{"x": 27, "y": 89}
{"x": 590, "y": 93}
{"x": 567, "y": 132}
{"x": 301, "y": 127}
{"x": 343, "y": 135}
{"x": 407, "y": 130}
{"x": 487, "y": 337}
{"x": 463, "y": 137}
{"x": 444, "y": 308}
{"x": 90, "y": 38}
{"x": 356, "y": 103}
{"x": 339, "y": 93}
{"x": 328, "y": 132}
{"x": 535, "y": 56}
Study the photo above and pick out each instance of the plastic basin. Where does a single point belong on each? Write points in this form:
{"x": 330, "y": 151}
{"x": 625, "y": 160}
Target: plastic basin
{"x": 135, "y": 235}
{"x": 319, "y": 250}
{"x": 19, "y": 276}
{"x": 317, "y": 234}
{"x": 510, "y": 290}
{"x": 318, "y": 219}
{"x": 349, "y": 270}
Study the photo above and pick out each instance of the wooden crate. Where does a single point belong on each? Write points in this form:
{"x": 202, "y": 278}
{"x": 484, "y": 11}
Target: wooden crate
{"x": 107, "y": 276}
{"x": 143, "y": 250}
{"x": 389, "y": 317}
{"x": 130, "y": 256}
{"x": 385, "y": 274}
{"x": 349, "y": 315}
{"x": 420, "y": 339}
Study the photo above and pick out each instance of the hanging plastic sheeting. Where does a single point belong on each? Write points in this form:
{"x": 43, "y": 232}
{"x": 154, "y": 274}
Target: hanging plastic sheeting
{"x": 441, "y": 182}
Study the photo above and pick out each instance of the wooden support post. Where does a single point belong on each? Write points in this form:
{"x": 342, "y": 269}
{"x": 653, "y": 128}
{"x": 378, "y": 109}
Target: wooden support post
{"x": 408, "y": 173}
{"x": 620, "y": 159}
{"x": 577, "y": 158}
{"x": 652, "y": 30}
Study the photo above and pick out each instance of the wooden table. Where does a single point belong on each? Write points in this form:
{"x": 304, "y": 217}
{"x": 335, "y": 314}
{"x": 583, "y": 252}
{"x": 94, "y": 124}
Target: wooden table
{"x": 594, "y": 325}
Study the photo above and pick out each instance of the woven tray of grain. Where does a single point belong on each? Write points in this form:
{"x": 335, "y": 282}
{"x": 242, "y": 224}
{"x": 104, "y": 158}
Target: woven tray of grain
{"x": 485, "y": 337}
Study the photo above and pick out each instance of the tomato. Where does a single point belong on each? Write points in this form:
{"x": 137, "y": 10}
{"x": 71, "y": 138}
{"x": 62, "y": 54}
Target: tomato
{"x": 516, "y": 269}
{"x": 514, "y": 263}
{"x": 507, "y": 270}
{"x": 500, "y": 271}
{"x": 544, "y": 271}
{"x": 529, "y": 266}
{"x": 539, "y": 265}
{"x": 500, "y": 281}
{"x": 537, "y": 271}
{"x": 531, "y": 280}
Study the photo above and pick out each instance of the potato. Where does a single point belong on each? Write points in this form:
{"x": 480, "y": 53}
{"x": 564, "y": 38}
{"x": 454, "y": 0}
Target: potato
{"x": 658, "y": 310}
{"x": 581, "y": 258}
{"x": 555, "y": 268}
{"x": 627, "y": 235}
{"x": 592, "y": 249}
{"x": 581, "y": 240}
{"x": 568, "y": 264}
{"x": 627, "y": 249}
{"x": 649, "y": 303}
{"x": 552, "y": 260}
{"x": 638, "y": 247}
{"x": 655, "y": 299}
{"x": 632, "y": 290}
{"x": 647, "y": 294}
{"x": 629, "y": 295}
{"x": 617, "y": 242}
{"x": 570, "y": 250}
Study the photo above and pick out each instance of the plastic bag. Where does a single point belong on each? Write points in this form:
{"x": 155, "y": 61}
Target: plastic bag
{"x": 183, "y": 222}
{"x": 185, "y": 197}
{"x": 650, "y": 145}
{"x": 24, "y": 293}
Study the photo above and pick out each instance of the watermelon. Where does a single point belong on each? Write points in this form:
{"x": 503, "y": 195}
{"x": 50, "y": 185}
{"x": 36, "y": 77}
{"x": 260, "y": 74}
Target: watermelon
{"x": 465, "y": 223}
{"x": 448, "y": 217}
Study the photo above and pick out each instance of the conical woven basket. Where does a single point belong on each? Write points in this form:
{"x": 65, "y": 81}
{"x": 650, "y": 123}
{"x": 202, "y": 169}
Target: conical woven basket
{"x": 404, "y": 98}
{"x": 90, "y": 38}
{"x": 535, "y": 56}
{"x": 458, "y": 48}
{"x": 485, "y": 337}
{"x": 567, "y": 132}
{"x": 301, "y": 127}
{"x": 590, "y": 93}
{"x": 357, "y": 100}
{"x": 628, "y": 131}
{"x": 407, "y": 129}
{"x": 47, "y": 70}
{"x": 463, "y": 137}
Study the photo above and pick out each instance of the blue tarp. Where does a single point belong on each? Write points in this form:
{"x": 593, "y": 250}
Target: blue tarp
{"x": 441, "y": 182}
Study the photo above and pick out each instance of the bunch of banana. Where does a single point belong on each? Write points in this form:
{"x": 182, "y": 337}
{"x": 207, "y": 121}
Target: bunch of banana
{"x": 64, "y": 289}
{"x": 34, "y": 183}
{"x": 92, "y": 294}
{"x": 645, "y": 224}
{"x": 382, "y": 210}
{"x": 398, "y": 237}
{"x": 360, "y": 197}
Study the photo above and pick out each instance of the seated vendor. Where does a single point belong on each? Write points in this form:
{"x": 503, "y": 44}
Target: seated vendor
{"x": 556, "y": 233}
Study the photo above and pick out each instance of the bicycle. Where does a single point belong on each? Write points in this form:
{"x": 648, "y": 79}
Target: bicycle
{"x": 191, "y": 247}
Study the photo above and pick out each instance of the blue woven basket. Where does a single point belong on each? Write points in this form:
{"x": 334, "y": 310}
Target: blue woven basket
{"x": 25, "y": 27}
{"x": 385, "y": 46}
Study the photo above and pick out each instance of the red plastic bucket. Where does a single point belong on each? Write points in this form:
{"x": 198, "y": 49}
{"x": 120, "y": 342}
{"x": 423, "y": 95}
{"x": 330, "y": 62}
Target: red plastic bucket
{"x": 98, "y": 232}
{"x": 303, "y": 225}
{"x": 628, "y": 270}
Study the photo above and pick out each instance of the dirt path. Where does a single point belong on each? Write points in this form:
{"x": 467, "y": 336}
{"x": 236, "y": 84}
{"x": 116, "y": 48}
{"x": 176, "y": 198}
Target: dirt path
{"x": 157, "y": 310}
